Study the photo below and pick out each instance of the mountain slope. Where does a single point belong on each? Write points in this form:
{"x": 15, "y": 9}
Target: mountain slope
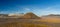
{"x": 30, "y": 15}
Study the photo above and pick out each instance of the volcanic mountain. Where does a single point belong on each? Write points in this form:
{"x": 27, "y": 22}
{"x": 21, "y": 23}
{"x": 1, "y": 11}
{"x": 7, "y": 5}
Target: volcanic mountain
{"x": 30, "y": 15}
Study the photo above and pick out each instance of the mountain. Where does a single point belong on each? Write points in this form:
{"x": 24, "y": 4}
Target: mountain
{"x": 30, "y": 15}
{"x": 52, "y": 16}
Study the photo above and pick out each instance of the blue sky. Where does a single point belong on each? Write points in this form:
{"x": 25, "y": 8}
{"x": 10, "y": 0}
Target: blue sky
{"x": 38, "y": 7}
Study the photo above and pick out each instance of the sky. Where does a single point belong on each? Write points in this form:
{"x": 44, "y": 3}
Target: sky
{"x": 38, "y": 7}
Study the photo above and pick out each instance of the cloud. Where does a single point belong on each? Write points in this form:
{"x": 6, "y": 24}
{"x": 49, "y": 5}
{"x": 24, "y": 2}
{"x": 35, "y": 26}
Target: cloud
{"x": 50, "y": 10}
{"x": 4, "y": 12}
{"x": 27, "y": 9}
{"x": 1, "y": 11}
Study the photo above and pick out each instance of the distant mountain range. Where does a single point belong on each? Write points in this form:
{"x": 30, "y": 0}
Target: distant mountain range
{"x": 28, "y": 15}
{"x": 52, "y": 16}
